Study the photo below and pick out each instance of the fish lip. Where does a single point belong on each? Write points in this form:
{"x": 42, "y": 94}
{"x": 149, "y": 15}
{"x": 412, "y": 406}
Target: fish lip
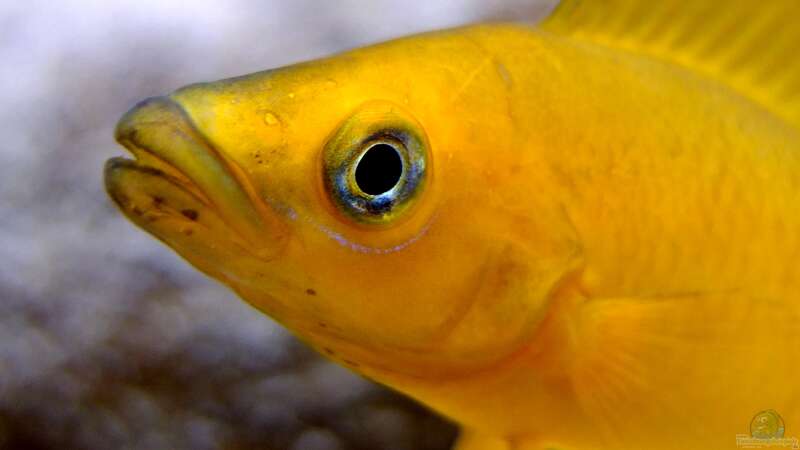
{"x": 147, "y": 157}
{"x": 121, "y": 198}
{"x": 160, "y": 134}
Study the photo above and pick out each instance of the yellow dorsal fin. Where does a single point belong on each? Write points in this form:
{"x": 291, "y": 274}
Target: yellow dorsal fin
{"x": 752, "y": 46}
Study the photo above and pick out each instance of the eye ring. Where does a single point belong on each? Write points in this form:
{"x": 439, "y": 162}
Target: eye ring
{"x": 374, "y": 167}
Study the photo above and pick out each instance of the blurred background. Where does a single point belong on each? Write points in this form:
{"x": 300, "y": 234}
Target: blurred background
{"x": 107, "y": 339}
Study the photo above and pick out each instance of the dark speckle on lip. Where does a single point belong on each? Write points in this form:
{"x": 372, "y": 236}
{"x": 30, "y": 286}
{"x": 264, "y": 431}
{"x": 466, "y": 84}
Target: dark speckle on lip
{"x": 122, "y": 199}
{"x": 310, "y": 291}
{"x": 190, "y": 214}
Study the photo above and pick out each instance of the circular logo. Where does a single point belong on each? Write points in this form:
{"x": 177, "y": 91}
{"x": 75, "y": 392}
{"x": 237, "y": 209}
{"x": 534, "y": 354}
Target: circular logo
{"x": 767, "y": 424}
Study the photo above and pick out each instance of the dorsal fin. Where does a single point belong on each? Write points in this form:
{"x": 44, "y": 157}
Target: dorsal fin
{"x": 752, "y": 46}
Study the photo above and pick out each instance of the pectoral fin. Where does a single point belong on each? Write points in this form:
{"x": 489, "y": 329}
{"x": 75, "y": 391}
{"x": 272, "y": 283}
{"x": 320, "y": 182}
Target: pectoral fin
{"x": 686, "y": 370}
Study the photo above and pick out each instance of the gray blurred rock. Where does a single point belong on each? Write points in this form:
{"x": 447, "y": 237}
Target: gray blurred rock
{"x": 317, "y": 439}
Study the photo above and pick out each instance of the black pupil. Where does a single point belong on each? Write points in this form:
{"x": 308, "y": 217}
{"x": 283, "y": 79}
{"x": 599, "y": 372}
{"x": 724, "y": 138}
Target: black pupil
{"x": 379, "y": 169}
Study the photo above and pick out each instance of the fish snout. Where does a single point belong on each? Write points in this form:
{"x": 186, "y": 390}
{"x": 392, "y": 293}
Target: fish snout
{"x": 165, "y": 141}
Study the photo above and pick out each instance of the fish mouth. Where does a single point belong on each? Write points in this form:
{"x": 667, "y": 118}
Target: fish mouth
{"x": 177, "y": 175}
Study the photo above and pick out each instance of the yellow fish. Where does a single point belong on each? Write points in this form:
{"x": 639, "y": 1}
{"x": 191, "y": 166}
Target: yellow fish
{"x": 583, "y": 234}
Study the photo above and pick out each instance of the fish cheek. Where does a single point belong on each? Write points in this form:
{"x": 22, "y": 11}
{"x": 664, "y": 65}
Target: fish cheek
{"x": 521, "y": 277}
{"x": 507, "y": 301}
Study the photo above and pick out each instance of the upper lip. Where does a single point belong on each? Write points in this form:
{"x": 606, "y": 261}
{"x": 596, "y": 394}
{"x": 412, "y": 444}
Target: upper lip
{"x": 142, "y": 131}
{"x": 158, "y": 132}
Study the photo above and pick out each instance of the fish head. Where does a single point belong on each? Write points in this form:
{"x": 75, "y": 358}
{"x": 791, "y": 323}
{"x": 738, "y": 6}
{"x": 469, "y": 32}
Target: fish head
{"x": 353, "y": 199}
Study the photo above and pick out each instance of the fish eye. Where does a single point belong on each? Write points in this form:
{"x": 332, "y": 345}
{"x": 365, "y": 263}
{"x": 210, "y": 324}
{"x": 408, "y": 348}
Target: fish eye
{"x": 379, "y": 169}
{"x": 375, "y": 165}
